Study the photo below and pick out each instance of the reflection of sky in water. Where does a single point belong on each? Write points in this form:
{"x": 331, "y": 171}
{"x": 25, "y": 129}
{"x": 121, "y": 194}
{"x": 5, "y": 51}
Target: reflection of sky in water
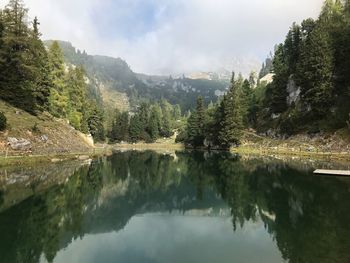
{"x": 175, "y": 238}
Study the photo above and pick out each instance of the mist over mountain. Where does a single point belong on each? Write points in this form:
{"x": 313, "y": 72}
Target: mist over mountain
{"x": 112, "y": 81}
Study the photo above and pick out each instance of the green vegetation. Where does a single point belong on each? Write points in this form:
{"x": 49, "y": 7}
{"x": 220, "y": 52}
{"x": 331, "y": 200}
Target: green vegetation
{"x": 112, "y": 80}
{"x": 310, "y": 91}
{"x": 36, "y": 80}
{"x": 220, "y": 125}
{"x": 149, "y": 123}
{"x": 3, "y": 121}
{"x": 23, "y": 60}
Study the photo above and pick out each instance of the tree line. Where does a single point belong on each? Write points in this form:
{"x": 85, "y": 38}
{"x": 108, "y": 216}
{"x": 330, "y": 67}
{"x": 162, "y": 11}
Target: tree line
{"x": 148, "y": 123}
{"x": 310, "y": 91}
{"x": 221, "y": 124}
{"x": 37, "y": 79}
{"x": 311, "y": 84}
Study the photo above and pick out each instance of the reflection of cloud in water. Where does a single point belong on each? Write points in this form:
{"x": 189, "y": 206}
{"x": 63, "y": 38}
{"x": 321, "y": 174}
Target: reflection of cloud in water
{"x": 175, "y": 238}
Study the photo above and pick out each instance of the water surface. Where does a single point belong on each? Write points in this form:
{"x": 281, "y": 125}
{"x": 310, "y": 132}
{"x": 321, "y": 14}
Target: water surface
{"x": 181, "y": 207}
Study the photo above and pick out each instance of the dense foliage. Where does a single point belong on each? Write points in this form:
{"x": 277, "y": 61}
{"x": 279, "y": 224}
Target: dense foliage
{"x": 35, "y": 79}
{"x": 24, "y": 80}
{"x": 150, "y": 122}
{"x": 310, "y": 91}
{"x": 221, "y": 125}
{"x": 311, "y": 86}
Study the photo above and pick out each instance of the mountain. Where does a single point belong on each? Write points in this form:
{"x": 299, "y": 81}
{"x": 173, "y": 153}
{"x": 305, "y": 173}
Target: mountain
{"x": 112, "y": 80}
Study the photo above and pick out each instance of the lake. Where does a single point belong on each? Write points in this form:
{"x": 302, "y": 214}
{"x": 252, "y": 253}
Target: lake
{"x": 174, "y": 207}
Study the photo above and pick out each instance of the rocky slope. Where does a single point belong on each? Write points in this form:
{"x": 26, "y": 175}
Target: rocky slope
{"x": 39, "y": 135}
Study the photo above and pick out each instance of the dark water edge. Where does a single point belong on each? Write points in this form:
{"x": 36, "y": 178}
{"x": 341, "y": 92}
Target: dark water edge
{"x": 174, "y": 207}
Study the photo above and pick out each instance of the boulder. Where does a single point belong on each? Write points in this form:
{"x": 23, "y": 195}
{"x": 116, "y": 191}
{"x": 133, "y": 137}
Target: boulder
{"x": 19, "y": 144}
{"x": 44, "y": 138}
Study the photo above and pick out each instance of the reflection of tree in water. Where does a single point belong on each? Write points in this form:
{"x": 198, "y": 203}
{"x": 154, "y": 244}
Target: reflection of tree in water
{"x": 307, "y": 217}
{"x": 1, "y": 198}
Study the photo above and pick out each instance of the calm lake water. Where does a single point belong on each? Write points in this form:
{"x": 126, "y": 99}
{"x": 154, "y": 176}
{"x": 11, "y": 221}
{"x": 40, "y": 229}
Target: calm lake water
{"x": 180, "y": 207}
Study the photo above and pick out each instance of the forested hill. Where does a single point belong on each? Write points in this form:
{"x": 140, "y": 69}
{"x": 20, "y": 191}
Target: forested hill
{"x": 112, "y": 77}
{"x": 309, "y": 92}
{"x": 311, "y": 84}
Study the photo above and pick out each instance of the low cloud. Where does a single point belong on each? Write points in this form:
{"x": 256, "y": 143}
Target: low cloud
{"x": 173, "y": 37}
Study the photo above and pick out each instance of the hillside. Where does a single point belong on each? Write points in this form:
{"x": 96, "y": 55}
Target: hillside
{"x": 46, "y": 135}
{"x": 119, "y": 86}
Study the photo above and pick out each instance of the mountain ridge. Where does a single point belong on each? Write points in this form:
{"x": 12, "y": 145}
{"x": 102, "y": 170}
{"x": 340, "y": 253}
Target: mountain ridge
{"x": 113, "y": 78}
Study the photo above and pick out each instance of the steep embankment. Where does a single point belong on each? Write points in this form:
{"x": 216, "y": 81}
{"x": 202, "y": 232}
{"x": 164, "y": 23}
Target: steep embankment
{"x": 41, "y": 135}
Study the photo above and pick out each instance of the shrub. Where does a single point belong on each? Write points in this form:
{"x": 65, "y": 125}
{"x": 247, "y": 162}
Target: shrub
{"x": 35, "y": 128}
{"x": 75, "y": 119}
{"x": 3, "y": 121}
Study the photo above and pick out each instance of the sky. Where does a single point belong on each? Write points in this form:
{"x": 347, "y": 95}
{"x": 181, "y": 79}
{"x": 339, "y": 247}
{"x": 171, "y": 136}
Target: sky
{"x": 166, "y": 37}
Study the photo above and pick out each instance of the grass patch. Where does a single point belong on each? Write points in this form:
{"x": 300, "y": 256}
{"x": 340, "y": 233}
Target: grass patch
{"x": 279, "y": 151}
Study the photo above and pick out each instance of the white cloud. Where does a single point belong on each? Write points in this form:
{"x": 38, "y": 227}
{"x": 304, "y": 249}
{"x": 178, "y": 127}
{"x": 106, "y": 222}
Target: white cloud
{"x": 186, "y": 35}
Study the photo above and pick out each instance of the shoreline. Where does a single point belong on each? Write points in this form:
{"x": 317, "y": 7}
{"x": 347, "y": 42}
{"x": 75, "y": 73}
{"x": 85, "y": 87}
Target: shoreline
{"x": 256, "y": 150}
{"x": 149, "y": 146}
{"x": 53, "y": 158}
{"x": 291, "y": 152}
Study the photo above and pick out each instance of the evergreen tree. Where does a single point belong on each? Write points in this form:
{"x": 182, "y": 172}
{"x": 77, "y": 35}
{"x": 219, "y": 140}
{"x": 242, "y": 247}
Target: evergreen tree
{"x": 153, "y": 125}
{"x": 196, "y": 125}
{"x": 59, "y": 93}
{"x": 95, "y": 122}
{"x": 19, "y": 60}
{"x": 41, "y": 72}
{"x": 292, "y": 48}
{"x": 214, "y": 122}
{"x": 166, "y": 127}
{"x": 192, "y": 130}
{"x": 246, "y": 101}
{"x": 201, "y": 117}
{"x": 143, "y": 113}
{"x": 76, "y": 92}
{"x": 135, "y": 129}
{"x": 177, "y": 112}
{"x": 120, "y": 127}
{"x": 276, "y": 94}
{"x": 232, "y": 124}
{"x": 315, "y": 70}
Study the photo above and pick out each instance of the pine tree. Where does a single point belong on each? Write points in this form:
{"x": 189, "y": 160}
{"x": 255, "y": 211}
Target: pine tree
{"x": 201, "y": 117}
{"x": 41, "y": 72}
{"x": 120, "y": 127}
{"x": 153, "y": 125}
{"x": 276, "y": 94}
{"x": 213, "y": 126}
{"x": 95, "y": 122}
{"x": 59, "y": 96}
{"x": 232, "y": 124}
{"x": 315, "y": 71}
{"x": 76, "y": 90}
{"x": 143, "y": 113}
{"x": 246, "y": 97}
{"x": 135, "y": 129}
{"x": 166, "y": 126}
{"x": 292, "y": 48}
{"x": 196, "y": 125}
{"x": 17, "y": 80}
{"x": 192, "y": 130}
